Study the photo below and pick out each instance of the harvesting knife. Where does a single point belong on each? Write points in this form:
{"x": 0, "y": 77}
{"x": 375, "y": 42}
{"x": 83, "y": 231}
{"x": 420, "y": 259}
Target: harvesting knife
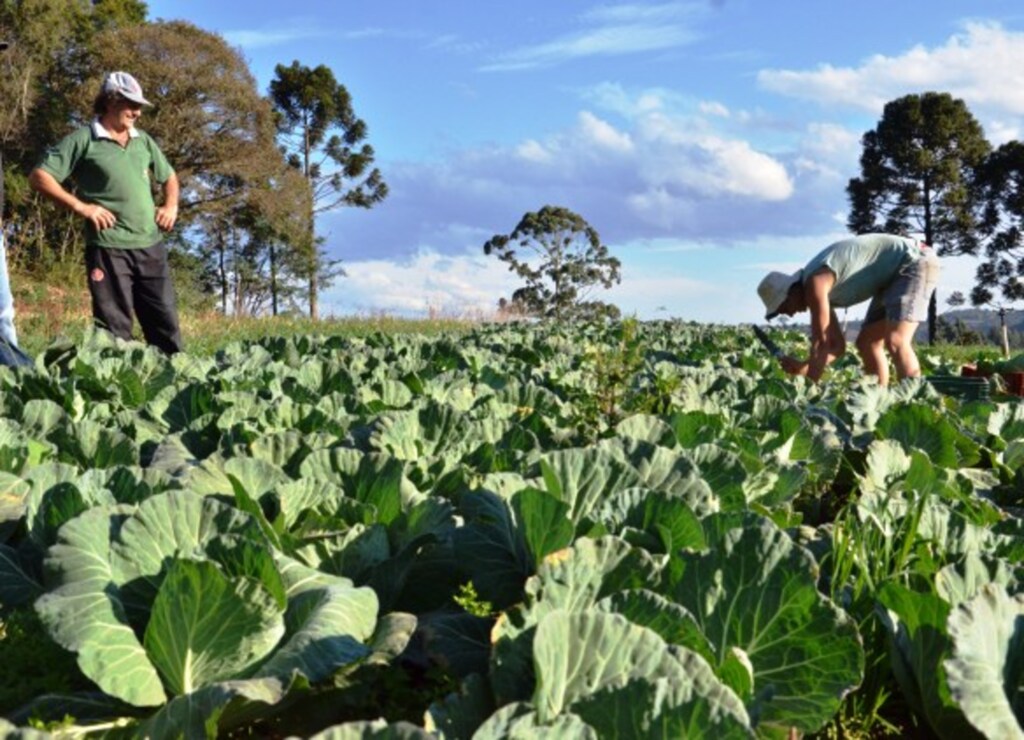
{"x": 766, "y": 340}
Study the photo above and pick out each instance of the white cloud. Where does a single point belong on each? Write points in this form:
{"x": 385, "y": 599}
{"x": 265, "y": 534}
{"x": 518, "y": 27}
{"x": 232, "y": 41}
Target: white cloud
{"x": 713, "y": 108}
{"x": 255, "y": 39}
{"x": 602, "y": 134}
{"x": 828, "y": 151}
{"x": 999, "y": 131}
{"x": 957, "y": 274}
{"x": 654, "y": 176}
{"x": 650, "y": 294}
{"x": 830, "y": 139}
{"x": 460, "y": 285}
{"x": 297, "y": 30}
{"x": 612, "y": 30}
{"x": 613, "y": 97}
{"x": 983, "y": 65}
{"x": 669, "y": 12}
{"x": 740, "y": 170}
{"x": 708, "y": 164}
{"x": 533, "y": 151}
{"x": 455, "y": 44}
{"x": 469, "y": 285}
{"x": 657, "y": 206}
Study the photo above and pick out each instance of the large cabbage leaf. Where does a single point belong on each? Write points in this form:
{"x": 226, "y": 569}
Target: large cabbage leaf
{"x": 755, "y": 598}
{"x": 916, "y": 623}
{"x": 624, "y": 681}
{"x": 213, "y": 602}
{"x": 206, "y": 627}
{"x": 84, "y": 612}
{"x": 985, "y": 668}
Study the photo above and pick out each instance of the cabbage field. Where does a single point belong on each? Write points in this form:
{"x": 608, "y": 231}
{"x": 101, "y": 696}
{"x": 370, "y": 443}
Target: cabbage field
{"x": 632, "y": 530}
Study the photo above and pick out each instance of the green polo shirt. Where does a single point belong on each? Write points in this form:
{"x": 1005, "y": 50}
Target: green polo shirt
{"x": 118, "y": 178}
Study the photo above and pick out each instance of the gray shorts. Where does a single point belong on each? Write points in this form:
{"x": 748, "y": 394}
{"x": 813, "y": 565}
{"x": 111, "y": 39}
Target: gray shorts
{"x": 906, "y": 297}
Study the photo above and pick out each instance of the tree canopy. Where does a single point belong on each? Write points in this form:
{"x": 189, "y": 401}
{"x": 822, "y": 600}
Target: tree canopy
{"x": 562, "y": 259}
{"x": 1000, "y": 275}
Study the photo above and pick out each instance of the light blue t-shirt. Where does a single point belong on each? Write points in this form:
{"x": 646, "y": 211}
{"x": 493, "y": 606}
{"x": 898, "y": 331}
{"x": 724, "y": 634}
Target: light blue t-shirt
{"x": 863, "y": 265}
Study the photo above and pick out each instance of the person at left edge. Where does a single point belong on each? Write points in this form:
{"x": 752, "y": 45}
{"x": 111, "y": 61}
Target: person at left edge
{"x": 7, "y": 331}
{"x": 112, "y": 164}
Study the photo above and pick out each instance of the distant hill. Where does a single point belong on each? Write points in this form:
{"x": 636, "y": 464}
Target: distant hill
{"x": 984, "y": 320}
{"x": 980, "y": 320}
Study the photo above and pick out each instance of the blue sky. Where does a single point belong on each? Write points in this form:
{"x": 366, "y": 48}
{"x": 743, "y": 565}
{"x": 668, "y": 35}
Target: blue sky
{"x": 707, "y": 141}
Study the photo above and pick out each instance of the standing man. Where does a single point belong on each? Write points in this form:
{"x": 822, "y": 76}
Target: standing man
{"x": 896, "y": 273}
{"x": 113, "y": 166}
{"x": 15, "y": 356}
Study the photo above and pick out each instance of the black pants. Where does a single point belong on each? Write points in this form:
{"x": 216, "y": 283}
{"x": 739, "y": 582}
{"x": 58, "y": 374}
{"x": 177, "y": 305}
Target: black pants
{"x": 139, "y": 280}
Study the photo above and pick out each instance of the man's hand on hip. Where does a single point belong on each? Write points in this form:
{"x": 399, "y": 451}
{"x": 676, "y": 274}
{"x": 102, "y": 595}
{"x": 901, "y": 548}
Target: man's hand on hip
{"x": 166, "y": 216}
{"x": 97, "y": 215}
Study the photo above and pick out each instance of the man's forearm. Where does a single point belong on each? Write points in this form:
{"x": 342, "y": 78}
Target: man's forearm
{"x": 45, "y": 183}
{"x": 172, "y": 190}
{"x": 167, "y": 214}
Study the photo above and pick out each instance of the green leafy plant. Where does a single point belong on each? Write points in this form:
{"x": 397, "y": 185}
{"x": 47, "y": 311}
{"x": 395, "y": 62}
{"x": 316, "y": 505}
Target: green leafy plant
{"x": 471, "y": 602}
{"x": 611, "y": 367}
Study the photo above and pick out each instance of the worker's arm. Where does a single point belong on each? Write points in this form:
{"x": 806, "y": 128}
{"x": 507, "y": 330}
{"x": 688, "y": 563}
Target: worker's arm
{"x": 827, "y": 341}
{"x": 45, "y": 183}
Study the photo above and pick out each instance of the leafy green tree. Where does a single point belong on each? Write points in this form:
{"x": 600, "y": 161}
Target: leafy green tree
{"x": 53, "y": 41}
{"x": 274, "y": 222}
{"x": 999, "y": 280}
{"x": 280, "y": 223}
{"x": 325, "y": 141}
{"x": 918, "y": 172}
{"x": 1001, "y": 273}
{"x": 562, "y": 259}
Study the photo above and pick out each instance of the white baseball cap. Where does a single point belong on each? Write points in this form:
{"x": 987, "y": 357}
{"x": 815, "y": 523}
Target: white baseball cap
{"x": 774, "y": 289}
{"x": 126, "y": 86}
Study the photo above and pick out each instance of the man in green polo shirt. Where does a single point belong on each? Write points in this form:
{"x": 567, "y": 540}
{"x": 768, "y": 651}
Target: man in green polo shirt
{"x": 113, "y": 166}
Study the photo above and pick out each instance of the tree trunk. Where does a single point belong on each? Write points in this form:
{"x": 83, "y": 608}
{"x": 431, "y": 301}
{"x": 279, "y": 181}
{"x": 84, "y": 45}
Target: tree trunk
{"x": 928, "y": 239}
{"x": 314, "y": 275}
{"x": 239, "y": 288}
{"x": 932, "y": 318}
{"x": 1003, "y": 333}
{"x": 314, "y": 306}
{"x": 222, "y": 270}
{"x": 273, "y": 281}
{"x": 314, "y": 257}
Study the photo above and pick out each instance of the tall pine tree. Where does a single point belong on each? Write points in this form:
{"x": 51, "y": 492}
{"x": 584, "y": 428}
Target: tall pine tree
{"x": 325, "y": 141}
{"x": 918, "y": 173}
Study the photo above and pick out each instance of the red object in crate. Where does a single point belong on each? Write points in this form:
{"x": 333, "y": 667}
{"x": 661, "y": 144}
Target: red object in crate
{"x": 1014, "y": 382}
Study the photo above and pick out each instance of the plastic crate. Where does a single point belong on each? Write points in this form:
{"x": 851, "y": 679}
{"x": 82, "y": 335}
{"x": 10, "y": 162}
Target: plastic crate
{"x": 966, "y": 388}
